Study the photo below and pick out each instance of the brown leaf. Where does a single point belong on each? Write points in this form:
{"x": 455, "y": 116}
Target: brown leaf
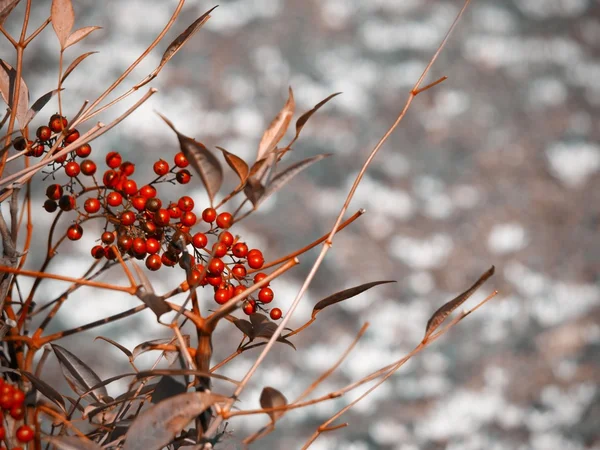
{"x": 39, "y": 104}
{"x": 202, "y": 160}
{"x": 245, "y": 327}
{"x": 78, "y": 35}
{"x": 445, "y": 310}
{"x": 74, "y": 64}
{"x": 157, "y": 426}
{"x": 272, "y": 398}
{"x": 6, "y": 6}
{"x": 116, "y": 344}
{"x": 156, "y": 303}
{"x": 345, "y": 295}
{"x": 277, "y": 129}
{"x": 45, "y": 389}
{"x": 63, "y": 18}
{"x": 304, "y": 117}
{"x": 167, "y": 387}
{"x": 267, "y": 329}
{"x": 71, "y": 443}
{"x": 7, "y": 86}
{"x": 79, "y": 376}
{"x": 176, "y": 45}
{"x": 238, "y": 165}
{"x": 148, "y": 345}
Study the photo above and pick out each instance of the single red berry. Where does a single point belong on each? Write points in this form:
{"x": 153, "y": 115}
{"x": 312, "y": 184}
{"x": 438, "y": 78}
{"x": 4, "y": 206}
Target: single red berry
{"x": 57, "y": 123}
{"x": 127, "y": 218}
{"x": 183, "y": 176}
{"x": 216, "y": 266}
{"x": 74, "y": 232}
{"x": 50, "y": 206}
{"x": 214, "y": 279}
{"x": 92, "y": 205}
{"x": 72, "y": 136}
{"x": 219, "y": 249}
{"x": 114, "y": 199}
{"x": 161, "y": 167}
{"x": 113, "y": 160}
{"x": 107, "y": 237}
{"x": 130, "y": 187}
{"x": 139, "y": 203}
{"x": 259, "y": 277}
{"x": 60, "y": 159}
{"x": 255, "y": 259}
{"x": 222, "y": 296}
{"x": 238, "y": 290}
{"x": 7, "y": 401}
{"x": 43, "y": 133}
{"x": 139, "y": 246}
{"x": 240, "y": 250}
{"x": 67, "y": 202}
{"x": 162, "y": 218}
{"x": 72, "y": 169}
{"x": 226, "y": 238}
{"x": 19, "y": 396}
{"x": 249, "y": 307}
{"x": 224, "y": 220}
{"x": 153, "y": 204}
{"x": 149, "y": 227}
{"x": 209, "y": 215}
{"x": 24, "y": 433}
{"x": 153, "y": 262}
{"x": 275, "y": 314}
{"x": 152, "y": 246}
{"x": 20, "y": 143}
{"x": 174, "y": 211}
{"x": 110, "y": 253}
{"x": 98, "y": 251}
{"x": 238, "y": 271}
{"x": 148, "y": 191}
{"x": 127, "y": 168}
{"x": 186, "y": 203}
{"x": 17, "y": 412}
{"x": 110, "y": 178}
{"x": 88, "y": 167}
{"x": 180, "y": 160}
{"x": 54, "y": 191}
{"x": 188, "y": 219}
{"x": 83, "y": 151}
{"x": 125, "y": 242}
{"x": 199, "y": 240}
{"x": 266, "y": 295}
{"x": 169, "y": 259}
{"x": 36, "y": 151}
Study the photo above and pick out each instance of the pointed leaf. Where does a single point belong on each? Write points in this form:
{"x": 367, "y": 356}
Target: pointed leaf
{"x": 63, "y": 18}
{"x": 202, "y": 160}
{"x": 45, "y": 389}
{"x": 267, "y": 329}
{"x": 238, "y": 165}
{"x": 6, "y": 6}
{"x": 116, "y": 344}
{"x": 272, "y": 398}
{"x": 304, "y": 117}
{"x": 71, "y": 443}
{"x": 254, "y": 191}
{"x": 38, "y": 105}
{"x": 79, "y": 376}
{"x": 157, "y": 426}
{"x": 157, "y": 304}
{"x": 78, "y": 35}
{"x": 277, "y": 129}
{"x": 7, "y": 86}
{"x": 445, "y": 310}
{"x": 166, "y": 388}
{"x": 176, "y": 45}
{"x": 74, "y": 64}
{"x": 150, "y": 345}
{"x": 257, "y": 320}
{"x": 344, "y": 295}
{"x": 245, "y": 327}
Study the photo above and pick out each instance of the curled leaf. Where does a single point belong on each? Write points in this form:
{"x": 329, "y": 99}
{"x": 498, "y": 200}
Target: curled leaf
{"x": 307, "y": 115}
{"x": 79, "y": 376}
{"x": 272, "y": 398}
{"x": 74, "y": 64}
{"x": 345, "y": 295}
{"x": 78, "y": 35}
{"x": 277, "y": 128}
{"x": 238, "y": 165}
{"x": 150, "y": 345}
{"x": 63, "y": 18}
{"x": 445, "y": 310}
{"x": 39, "y": 104}
{"x": 8, "y": 76}
{"x": 116, "y": 344}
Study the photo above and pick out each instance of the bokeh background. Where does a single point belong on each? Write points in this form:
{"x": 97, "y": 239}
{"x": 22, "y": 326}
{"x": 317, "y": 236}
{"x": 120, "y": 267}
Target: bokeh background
{"x": 498, "y": 165}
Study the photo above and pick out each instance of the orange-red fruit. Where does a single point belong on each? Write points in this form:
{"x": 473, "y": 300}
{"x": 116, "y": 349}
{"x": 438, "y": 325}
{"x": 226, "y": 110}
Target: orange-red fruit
{"x": 249, "y": 307}
{"x": 139, "y": 246}
{"x": 72, "y": 137}
{"x": 226, "y": 238}
{"x": 169, "y": 259}
{"x": 57, "y": 123}
{"x": 88, "y": 167}
{"x": 17, "y": 412}
{"x": 216, "y": 266}
{"x": 127, "y": 168}
{"x": 152, "y": 246}
{"x": 110, "y": 253}
{"x": 19, "y": 396}
{"x": 72, "y": 169}
{"x": 107, "y": 237}
{"x": 83, "y": 151}
{"x": 153, "y": 204}
{"x": 110, "y": 178}
{"x": 183, "y": 176}
{"x": 222, "y": 296}
{"x": 74, "y": 232}
{"x": 43, "y": 133}
{"x": 161, "y": 167}
{"x": 114, "y": 199}
{"x": 98, "y": 252}
{"x": 266, "y": 295}
{"x": 186, "y": 203}
{"x": 275, "y": 314}
{"x": 180, "y": 160}
{"x": 255, "y": 259}
{"x": 153, "y": 262}
{"x": 113, "y": 160}
{"x": 148, "y": 191}
{"x": 139, "y": 203}
{"x": 259, "y": 277}
{"x": 224, "y": 220}
{"x": 125, "y": 242}
{"x": 219, "y": 249}
{"x": 240, "y": 250}
{"x": 199, "y": 240}
{"x": 238, "y": 271}
{"x": 209, "y": 215}
{"x": 188, "y": 219}
{"x": 130, "y": 187}
{"x": 174, "y": 211}
{"x": 6, "y": 400}
{"x": 193, "y": 277}
{"x": 162, "y": 217}
{"x": 36, "y": 150}
{"x": 66, "y": 202}
{"x": 24, "y": 433}
{"x": 54, "y": 191}
{"x": 92, "y": 205}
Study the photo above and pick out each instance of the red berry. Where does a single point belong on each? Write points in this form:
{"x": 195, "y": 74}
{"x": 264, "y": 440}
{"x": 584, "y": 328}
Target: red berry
{"x": 238, "y": 271}
{"x": 139, "y": 246}
{"x": 88, "y": 167}
{"x": 209, "y": 215}
{"x": 168, "y": 259}
{"x": 183, "y": 176}
{"x": 219, "y": 249}
{"x": 92, "y": 205}
{"x": 43, "y": 133}
{"x": 17, "y": 412}
{"x": 7, "y": 401}
{"x": 66, "y": 202}
{"x": 19, "y": 396}
{"x": 114, "y": 199}
{"x": 57, "y": 123}
{"x": 107, "y": 237}
{"x": 152, "y": 246}
{"x": 125, "y": 242}
{"x": 275, "y": 314}
{"x": 74, "y": 232}
{"x": 153, "y": 262}
{"x": 139, "y": 203}
{"x": 113, "y": 160}
{"x": 98, "y": 252}
{"x": 249, "y": 307}
{"x": 72, "y": 169}
{"x": 238, "y": 290}
{"x": 162, "y": 218}
{"x": 214, "y": 280}
{"x": 72, "y": 136}
{"x": 50, "y": 205}
{"x": 147, "y": 191}
{"x": 216, "y": 266}
{"x": 266, "y": 295}
{"x": 60, "y": 159}
{"x": 110, "y": 253}
{"x": 110, "y": 178}
{"x": 161, "y": 167}
{"x": 36, "y": 150}
{"x": 130, "y": 187}
{"x": 226, "y": 238}
{"x": 83, "y": 151}
{"x": 224, "y": 220}
{"x": 240, "y": 250}
{"x": 188, "y": 219}
{"x": 149, "y": 227}
{"x": 259, "y": 277}
{"x": 180, "y": 160}
{"x": 174, "y": 211}
{"x": 54, "y": 191}
{"x": 255, "y": 259}
{"x": 153, "y": 204}
{"x": 127, "y": 168}
{"x": 25, "y": 433}
{"x": 186, "y": 203}
{"x": 199, "y": 240}
{"x": 222, "y": 296}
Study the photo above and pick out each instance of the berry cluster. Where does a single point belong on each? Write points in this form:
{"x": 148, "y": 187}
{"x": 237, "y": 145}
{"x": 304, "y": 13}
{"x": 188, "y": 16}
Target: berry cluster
{"x": 12, "y": 401}
{"x": 140, "y": 225}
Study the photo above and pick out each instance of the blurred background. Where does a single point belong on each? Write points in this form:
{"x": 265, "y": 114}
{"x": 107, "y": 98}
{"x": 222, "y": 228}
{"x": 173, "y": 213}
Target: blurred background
{"x": 496, "y": 166}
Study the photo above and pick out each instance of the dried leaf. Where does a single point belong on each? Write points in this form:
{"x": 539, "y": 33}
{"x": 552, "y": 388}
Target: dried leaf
{"x": 39, "y": 104}
{"x": 344, "y": 295}
{"x": 202, "y": 160}
{"x": 176, "y": 45}
{"x": 267, "y": 329}
{"x": 63, "y": 18}
{"x": 166, "y": 388}
{"x": 445, "y": 310}
{"x": 254, "y": 191}
{"x": 258, "y": 319}
{"x": 74, "y": 64}
{"x": 157, "y": 304}
{"x": 277, "y": 129}
{"x": 238, "y": 165}
{"x": 6, "y": 6}
{"x": 245, "y": 327}
{"x": 7, "y": 86}
{"x": 157, "y": 426}
{"x": 45, "y": 389}
{"x": 272, "y": 398}
{"x": 71, "y": 443}
{"x": 304, "y": 117}
{"x": 149, "y": 345}
{"x": 79, "y": 376}
{"x": 116, "y": 344}
{"x": 78, "y": 35}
